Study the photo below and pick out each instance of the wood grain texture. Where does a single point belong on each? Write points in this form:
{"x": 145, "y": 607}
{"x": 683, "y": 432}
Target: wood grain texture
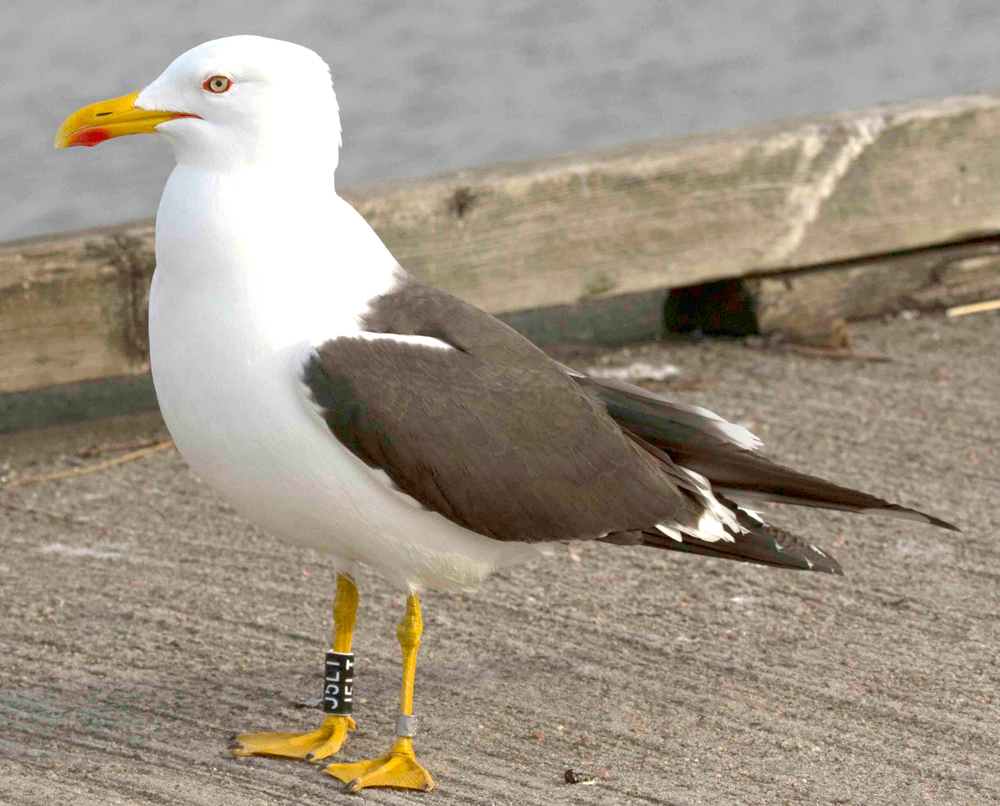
{"x": 926, "y": 279}
{"x": 682, "y": 211}
{"x": 75, "y": 307}
{"x": 559, "y": 231}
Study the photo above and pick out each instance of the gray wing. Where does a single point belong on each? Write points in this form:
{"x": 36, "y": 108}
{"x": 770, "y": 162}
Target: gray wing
{"x": 511, "y": 450}
{"x": 498, "y": 438}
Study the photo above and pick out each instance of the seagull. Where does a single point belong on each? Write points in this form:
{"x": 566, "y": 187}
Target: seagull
{"x": 339, "y": 403}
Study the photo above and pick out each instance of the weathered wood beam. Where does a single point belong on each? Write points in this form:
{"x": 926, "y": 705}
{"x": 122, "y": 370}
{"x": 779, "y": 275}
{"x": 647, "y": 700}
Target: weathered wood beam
{"x": 681, "y": 211}
{"x": 924, "y": 279}
{"x": 562, "y": 231}
{"x": 73, "y": 307}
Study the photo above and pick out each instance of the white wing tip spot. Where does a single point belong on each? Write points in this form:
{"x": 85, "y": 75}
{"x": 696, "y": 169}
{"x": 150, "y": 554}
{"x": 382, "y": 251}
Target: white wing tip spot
{"x": 670, "y": 532}
{"x": 711, "y": 528}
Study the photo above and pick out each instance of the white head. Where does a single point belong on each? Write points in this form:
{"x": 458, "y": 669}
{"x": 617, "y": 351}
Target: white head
{"x": 233, "y": 102}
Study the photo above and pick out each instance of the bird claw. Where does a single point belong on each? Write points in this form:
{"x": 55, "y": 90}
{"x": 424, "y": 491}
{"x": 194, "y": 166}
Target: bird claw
{"x": 398, "y": 768}
{"x": 313, "y": 746}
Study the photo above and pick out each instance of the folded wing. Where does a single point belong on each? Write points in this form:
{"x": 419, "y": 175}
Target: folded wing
{"x": 472, "y": 421}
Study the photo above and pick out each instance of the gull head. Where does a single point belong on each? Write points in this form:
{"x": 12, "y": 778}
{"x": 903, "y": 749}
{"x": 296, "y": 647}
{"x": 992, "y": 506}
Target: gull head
{"x": 234, "y": 102}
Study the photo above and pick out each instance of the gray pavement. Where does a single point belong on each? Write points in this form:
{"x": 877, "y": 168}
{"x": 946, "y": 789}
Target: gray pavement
{"x": 142, "y": 622}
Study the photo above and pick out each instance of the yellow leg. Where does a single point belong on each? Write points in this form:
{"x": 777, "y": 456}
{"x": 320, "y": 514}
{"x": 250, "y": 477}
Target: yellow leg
{"x": 399, "y": 767}
{"x": 327, "y": 740}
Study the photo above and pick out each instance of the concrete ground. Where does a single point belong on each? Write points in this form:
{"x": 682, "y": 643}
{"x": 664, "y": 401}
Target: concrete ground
{"x": 142, "y": 622}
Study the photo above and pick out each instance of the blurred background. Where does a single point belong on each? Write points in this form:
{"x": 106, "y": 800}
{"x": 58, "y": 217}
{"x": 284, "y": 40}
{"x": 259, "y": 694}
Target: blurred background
{"x": 427, "y": 87}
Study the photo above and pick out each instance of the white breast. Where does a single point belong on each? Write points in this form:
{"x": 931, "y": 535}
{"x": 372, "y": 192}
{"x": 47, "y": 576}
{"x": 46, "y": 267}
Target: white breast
{"x": 239, "y": 297}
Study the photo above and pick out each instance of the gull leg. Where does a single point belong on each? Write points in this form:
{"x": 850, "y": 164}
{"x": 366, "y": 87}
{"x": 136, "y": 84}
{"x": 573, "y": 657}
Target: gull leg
{"x": 399, "y": 767}
{"x": 327, "y": 740}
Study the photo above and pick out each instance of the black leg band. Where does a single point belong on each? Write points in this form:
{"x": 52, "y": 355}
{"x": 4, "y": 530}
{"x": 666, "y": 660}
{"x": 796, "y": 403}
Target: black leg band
{"x": 338, "y": 683}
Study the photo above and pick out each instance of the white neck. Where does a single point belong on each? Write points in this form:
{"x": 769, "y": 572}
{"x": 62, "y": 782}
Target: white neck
{"x": 278, "y": 254}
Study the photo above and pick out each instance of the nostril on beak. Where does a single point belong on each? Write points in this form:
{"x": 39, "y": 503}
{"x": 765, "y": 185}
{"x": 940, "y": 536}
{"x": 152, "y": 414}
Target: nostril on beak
{"x": 102, "y": 114}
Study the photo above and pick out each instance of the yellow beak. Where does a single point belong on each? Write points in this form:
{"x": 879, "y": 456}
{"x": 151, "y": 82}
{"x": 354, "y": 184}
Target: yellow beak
{"x": 99, "y": 122}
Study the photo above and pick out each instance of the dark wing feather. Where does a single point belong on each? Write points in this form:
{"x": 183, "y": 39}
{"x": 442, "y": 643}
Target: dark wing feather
{"x": 761, "y": 545}
{"x": 755, "y": 541}
{"x": 699, "y": 443}
{"x": 492, "y": 434}
{"x": 498, "y": 438}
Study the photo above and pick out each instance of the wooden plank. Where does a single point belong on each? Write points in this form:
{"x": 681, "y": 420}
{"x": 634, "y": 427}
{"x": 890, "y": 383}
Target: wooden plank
{"x": 562, "y": 231}
{"x": 925, "y": 279}
{"x": 682, "y": 211}
{"x": 74, "y": 308}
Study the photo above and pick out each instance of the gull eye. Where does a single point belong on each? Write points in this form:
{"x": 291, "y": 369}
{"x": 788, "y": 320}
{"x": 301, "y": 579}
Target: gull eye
{"x": 217, "y": 84}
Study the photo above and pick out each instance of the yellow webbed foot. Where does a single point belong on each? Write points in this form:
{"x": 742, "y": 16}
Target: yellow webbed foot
{"x": 307, "y": 746}
{"x": 398, "y": 768}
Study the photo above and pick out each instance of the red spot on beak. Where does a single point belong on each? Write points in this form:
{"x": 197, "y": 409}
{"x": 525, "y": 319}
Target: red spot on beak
{"x": 90, "y": 137}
